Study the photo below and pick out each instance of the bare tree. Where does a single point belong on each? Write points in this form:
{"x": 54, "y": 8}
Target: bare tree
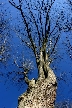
{"x": 40, "y": 92}
{"x": 5, "y": 35}
{"x": 42, "y": 39}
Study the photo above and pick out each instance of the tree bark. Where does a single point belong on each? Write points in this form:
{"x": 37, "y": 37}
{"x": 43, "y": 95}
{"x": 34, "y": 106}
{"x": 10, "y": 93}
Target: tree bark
{"x": 40, "y": 93}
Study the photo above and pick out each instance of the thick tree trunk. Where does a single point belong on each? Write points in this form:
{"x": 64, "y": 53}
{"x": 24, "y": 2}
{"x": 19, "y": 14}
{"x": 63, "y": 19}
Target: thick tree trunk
{"x": 41, "y": 94}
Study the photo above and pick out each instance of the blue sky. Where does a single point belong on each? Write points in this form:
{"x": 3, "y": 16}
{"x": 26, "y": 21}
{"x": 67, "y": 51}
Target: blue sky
{"x": 9, "y": 93}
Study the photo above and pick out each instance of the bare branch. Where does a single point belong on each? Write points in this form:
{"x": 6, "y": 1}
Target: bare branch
{"x": 48, "y": 21}
{"x": 55, "y": 44}
{"x": 33, "y": 18}
{"x": 13, "y": 4}
{"x": 27, "y": 27}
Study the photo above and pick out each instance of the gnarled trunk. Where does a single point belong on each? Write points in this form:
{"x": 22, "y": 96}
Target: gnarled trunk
{"x": 42, "y": 93}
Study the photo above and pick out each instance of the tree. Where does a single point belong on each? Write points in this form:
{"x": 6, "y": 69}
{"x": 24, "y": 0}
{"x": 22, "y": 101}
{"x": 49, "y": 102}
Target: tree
{"x": 5, "y": 35}
{"x": 42, "y": 40}
{"x": 45, "y": 86}
{"x": 42, "y": 91}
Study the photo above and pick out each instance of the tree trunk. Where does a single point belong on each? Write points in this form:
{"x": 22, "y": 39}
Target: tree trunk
{"x": 42, "y": 93}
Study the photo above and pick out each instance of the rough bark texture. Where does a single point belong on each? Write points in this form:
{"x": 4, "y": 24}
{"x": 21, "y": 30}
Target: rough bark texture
{"x": 42, "y": 93}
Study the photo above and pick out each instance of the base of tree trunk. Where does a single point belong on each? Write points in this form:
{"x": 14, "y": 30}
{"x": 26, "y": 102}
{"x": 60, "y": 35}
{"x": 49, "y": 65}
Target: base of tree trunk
{"x": 41, "y": 95}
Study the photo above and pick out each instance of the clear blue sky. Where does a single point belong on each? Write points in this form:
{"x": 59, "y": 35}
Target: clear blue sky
{"x": 9, "y": 96}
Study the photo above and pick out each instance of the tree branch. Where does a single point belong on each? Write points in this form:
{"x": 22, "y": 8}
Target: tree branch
{"x": 27, "y": 26}
{"x": 13, "y": 4}
{"x": 34, "y": 21}
{"x": 48, "y": 21}
{"x": 55, "y": 44}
